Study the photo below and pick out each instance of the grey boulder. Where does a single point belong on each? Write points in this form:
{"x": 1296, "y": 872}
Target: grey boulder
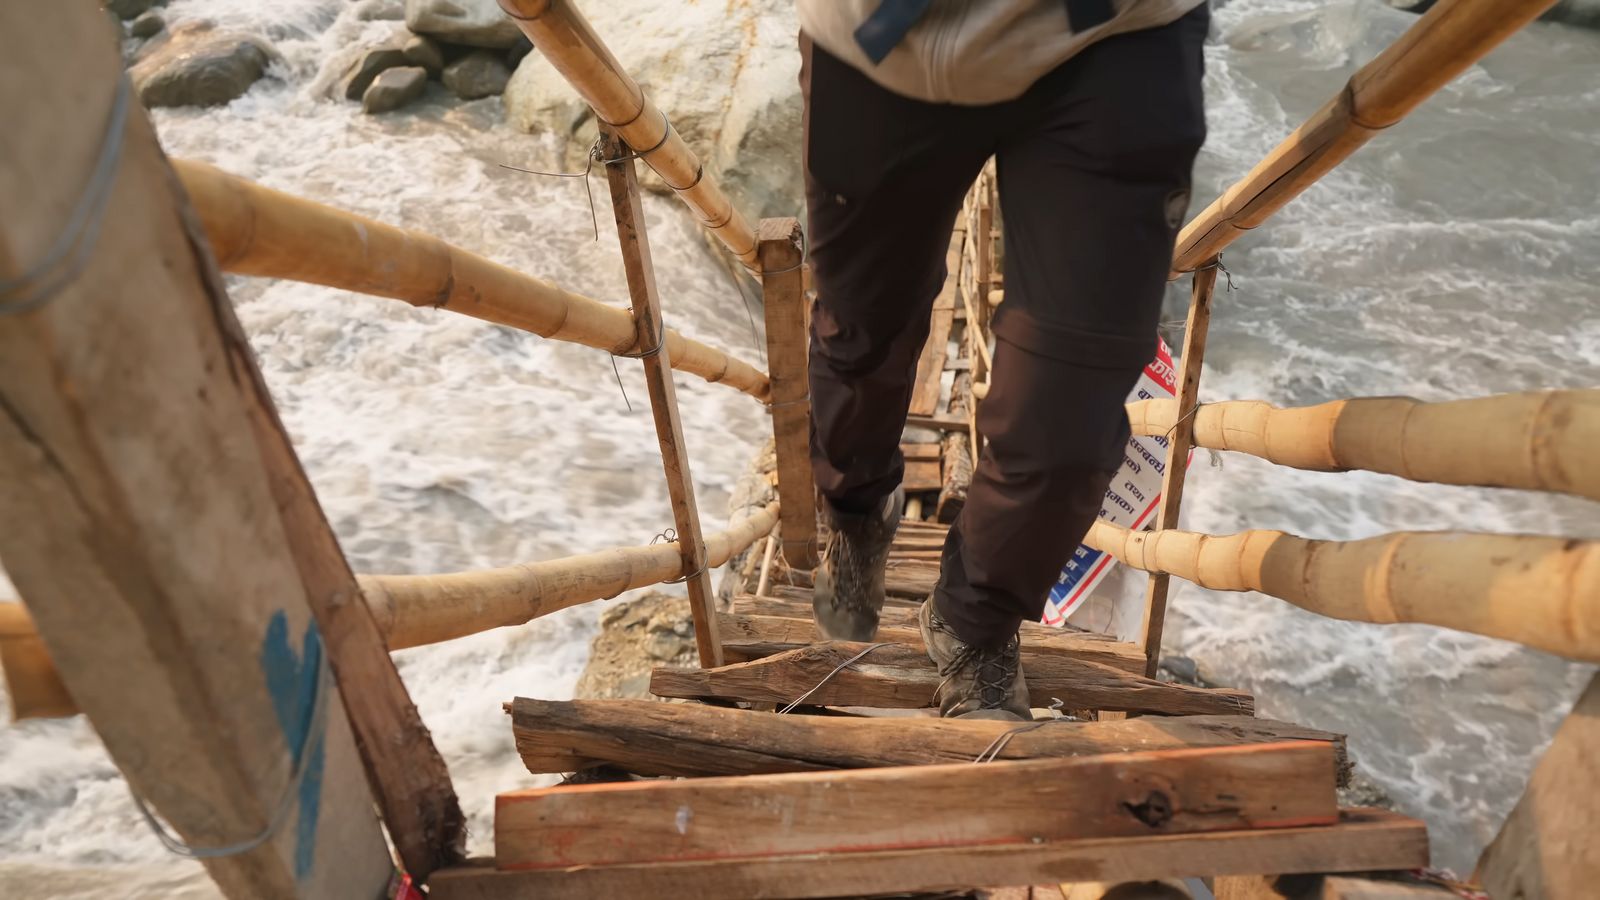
{"x": 424, "y": 51}
{"x": 476, "y": 23}
{"x": 128, "y": 9}
{"x": 480, "y": 73}
{"x": 371, "y": 64}
{"x": 148, "y": 24}
{"x": 200, "y": 66}
{"x": 394, "y": 88}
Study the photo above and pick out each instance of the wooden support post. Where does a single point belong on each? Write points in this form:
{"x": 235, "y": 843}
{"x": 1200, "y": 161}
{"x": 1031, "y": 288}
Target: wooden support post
{"x": 778, "y": 246}
{"x": 175, "y": 559}
{"x": 1547, "y": 847}
{"x": 1257, "y": 786}
{"x": 629, "y": 211}
{"x": 1194, "y": 352}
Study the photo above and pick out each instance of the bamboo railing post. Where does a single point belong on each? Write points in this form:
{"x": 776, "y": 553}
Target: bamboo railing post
{"x": 569, "y": 42}
{"x": 175, "y": 559}
{"x": 1194, "y": 351}
{"x": 652, "y": 351}
{"x": 783, "y": 291}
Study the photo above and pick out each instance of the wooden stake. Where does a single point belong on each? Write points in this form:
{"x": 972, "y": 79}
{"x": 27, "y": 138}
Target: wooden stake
{"x": 1282, "y": 785}
{"x": 1366, "y": 839}
{"x": 175, "y": 560}
{"x": 1154, "y": 618}
{"x": 629, "y": 212}
{"x": 690, "y": 739}
{"x": 779, "y": 252}
{"x": 258, "y": 231}
{"x": 1547, "y": 847}
{"x": 898, "y": 676}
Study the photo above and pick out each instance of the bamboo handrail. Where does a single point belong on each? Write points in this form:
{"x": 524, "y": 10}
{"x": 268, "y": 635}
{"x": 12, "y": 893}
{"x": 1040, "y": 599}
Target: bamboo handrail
{"x": 1539, "y": 440}
{"x": 1446, "y": 40}
{"x": 569, "y": 42}
{"x": 254, "y": 230}
{"x": 1540, "y": 591}
{"x": 413, "y": 610}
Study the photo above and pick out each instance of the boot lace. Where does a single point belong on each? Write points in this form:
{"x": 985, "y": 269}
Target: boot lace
{"x": 992, "y": 673}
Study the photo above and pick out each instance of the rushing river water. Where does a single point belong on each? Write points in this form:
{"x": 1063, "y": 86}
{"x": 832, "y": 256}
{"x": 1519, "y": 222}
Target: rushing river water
{"x": 1456, "y": 256}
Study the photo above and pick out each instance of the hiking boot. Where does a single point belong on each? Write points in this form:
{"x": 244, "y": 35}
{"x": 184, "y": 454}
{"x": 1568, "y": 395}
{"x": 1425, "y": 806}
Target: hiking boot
{"x": 848, "y": 591}
{"x": 978, "y": 683}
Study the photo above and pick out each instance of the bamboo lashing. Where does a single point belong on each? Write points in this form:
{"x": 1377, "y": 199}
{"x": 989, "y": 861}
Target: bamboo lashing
{"x": 569, "y": 42}
{"x": 1539, "y": 440}
{"x": 413, "y": 610}
{"x": 1443, "y": 43}
{"x": 1540, "y": 591}
{"x": 254, "y": 230}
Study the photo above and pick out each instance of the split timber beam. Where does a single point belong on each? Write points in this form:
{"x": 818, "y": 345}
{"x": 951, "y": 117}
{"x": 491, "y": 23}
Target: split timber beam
{"x": 646, "y": 737}
{"x": 1537, "y": 441}
{"x": 908, "y": 579}
{"x": 1445, "y": 41}
{"x": 753, "y": 637}
{"x": 783, "y": 293}
{"x": 799, "y": 607}
{"x": 627, "y": 205}
{"x": 1540, "y": 591}
{"x": 1363, "y": 840}
{"x": 175, "y": 559}
{"x": 570, "y": 43}
{"x": 255, "y": 230}
{"x": 895, "y": 676}
{"x": 1547, "y": 846}
{"x": 1258, "y": 786}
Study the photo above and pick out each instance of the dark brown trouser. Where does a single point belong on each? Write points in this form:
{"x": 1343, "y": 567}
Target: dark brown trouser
{"x": 1094, "y": 170}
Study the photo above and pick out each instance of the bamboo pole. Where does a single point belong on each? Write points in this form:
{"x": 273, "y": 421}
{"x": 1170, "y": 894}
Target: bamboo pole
{"x": 1444, "y": 42}
{"x": 255, "y": 230}
{"x": 1540, "y": 591}
{"x": 413, "y": 610}
{"x": 569, "y": 42}
{"x": 1153, "y": 619}
{"x": 1539, "y": 440}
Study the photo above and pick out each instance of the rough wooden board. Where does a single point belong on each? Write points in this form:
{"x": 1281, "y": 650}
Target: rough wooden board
{"x": 930, "y": 365}
{"x": 155, "y": 558}
{"x": 751, "y": 637}
{"x": 896, "y": 675}
{"x": 922, "y": 475}
{"x": 628, "y": 209}
{"x": 783, "y": 296}
{"x": 909, "y": 578}
{"x": 1548, "y": 846}
{"x": 791, "y": 602}
{"x": 1363, "y": 840}
{"x": 689, "y": 739}
{"x": 1281, "y": 785}
{"x": 912, "y": 450}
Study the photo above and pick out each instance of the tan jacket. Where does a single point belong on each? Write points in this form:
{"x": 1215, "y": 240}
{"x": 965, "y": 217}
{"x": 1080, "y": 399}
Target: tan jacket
{"x": 975, "y": 52}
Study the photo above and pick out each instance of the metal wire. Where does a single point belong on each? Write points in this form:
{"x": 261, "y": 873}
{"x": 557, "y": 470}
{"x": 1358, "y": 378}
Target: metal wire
{"x": 69, "y": 253}
{"x": 992, "y": 752}
{"x": 828, "y": 677}
{"x": 670, "y": 535}
{"x": 593, "y": 155}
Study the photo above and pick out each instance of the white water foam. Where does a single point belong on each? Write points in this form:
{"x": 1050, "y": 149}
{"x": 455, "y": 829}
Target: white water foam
{"x": 1457, "y": 256}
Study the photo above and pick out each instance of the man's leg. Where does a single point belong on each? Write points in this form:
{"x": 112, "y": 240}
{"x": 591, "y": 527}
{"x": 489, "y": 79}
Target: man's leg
{"x": 1094, "y": 183}
{"x": 884, "y": 180}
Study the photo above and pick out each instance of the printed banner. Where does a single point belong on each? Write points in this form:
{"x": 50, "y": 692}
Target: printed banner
{"x": 1131, "y": 500}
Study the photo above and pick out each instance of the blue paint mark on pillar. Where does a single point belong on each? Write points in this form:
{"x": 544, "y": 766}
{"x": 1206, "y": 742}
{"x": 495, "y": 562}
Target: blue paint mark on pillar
{"x": 292, "y": 682}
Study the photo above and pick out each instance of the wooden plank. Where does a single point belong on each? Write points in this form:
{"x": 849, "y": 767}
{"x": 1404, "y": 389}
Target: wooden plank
{"x": 930, "y": 365}
{"x": 938, "y": 423}
{"x": 752, "y": 637}
{"x": 898, "y": 676}
{"x": 1281, "y": 785}
{"x": 1362, "y": 840}
{"x": 1547, "y": 846}
{"x": 626, "y": 206}
{"x": 913, "y": 451}
{"x": 159, "y": 559}
{"x": 906, "y": 578}
{"x": 688, "y": 739}
{"x": 1154, "y": 618}
{"x": 779, "y": 243}
{"x": 922, "y": 475}
{"x": 795, "y": 603}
